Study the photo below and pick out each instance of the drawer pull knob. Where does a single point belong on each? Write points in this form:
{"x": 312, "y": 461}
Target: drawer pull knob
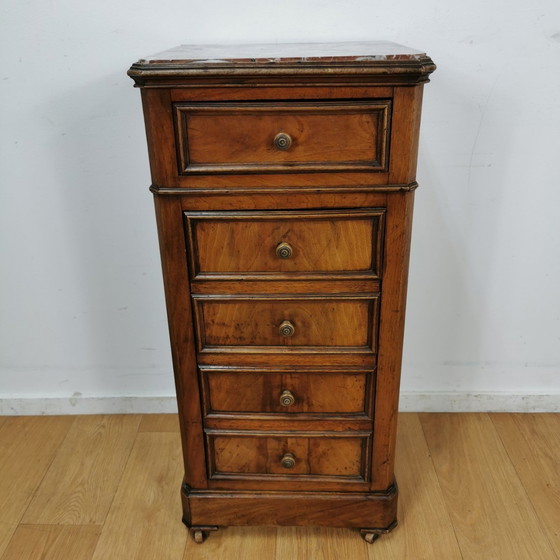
{"x": 284, "y": 250}
{"x": 287, "y": 398}
{"x": 288, "y": 461}
{"x": 282, "y": 141}
{"x": 286, "y": 329}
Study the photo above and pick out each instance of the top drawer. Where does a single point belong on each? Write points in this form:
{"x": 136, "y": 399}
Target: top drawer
{"x": 247, "y": 137}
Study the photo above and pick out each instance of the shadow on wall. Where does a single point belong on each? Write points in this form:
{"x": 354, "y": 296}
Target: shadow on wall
{"x": 103, "y": 179}
{"x": 454, "y": 238}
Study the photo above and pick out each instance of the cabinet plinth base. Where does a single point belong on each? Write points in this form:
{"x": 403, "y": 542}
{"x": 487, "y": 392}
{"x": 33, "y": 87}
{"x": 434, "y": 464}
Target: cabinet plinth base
{"x": 371, "y": 513}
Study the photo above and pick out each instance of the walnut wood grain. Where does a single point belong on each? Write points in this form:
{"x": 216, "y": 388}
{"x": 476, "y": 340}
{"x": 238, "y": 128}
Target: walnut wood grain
{"x": 241, "y": 454}
{"x": 206, "y": 94}
{"x": 391, "y": 333}
{"x": 294, "y": 356}
{"x": 288, "y": 423}
{"x": 248, "y": 323}
{"x": 244, "y": 245}
{"x": 318, "y": 136}
{"x": 193, "y": 200}
{"x": 284, "y": 192}
{"x": 313, "y": 393}
{"x": 405, "y": 134}
{"x": 175, "y": 278}
{"x": 289, "y": 284}
{"x": 284, "y": 508}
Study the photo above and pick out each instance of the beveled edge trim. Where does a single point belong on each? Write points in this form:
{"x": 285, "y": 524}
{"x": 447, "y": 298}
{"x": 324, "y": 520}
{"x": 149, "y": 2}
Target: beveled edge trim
{"x": 185, "y": 191}
{"x": 285, "y": 168}
{"x": 287, "y": 369}
{"x": 287, "y": 350}
{"x": 290, "y": 434}
{"x": 288, "y": 297}
{"x": 390, "y": 492}
{"x": 396, "y": 72}
{"x": 257, "y": 477}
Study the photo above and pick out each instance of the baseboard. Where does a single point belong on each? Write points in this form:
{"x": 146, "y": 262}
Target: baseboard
{"x": 409, "y": 402}
{"x": 479, "y": 402}
{"x": 87, "y": 405}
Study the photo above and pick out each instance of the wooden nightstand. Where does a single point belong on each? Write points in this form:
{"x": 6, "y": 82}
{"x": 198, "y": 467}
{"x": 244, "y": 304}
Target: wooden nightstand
{"x": 284, "y": 179}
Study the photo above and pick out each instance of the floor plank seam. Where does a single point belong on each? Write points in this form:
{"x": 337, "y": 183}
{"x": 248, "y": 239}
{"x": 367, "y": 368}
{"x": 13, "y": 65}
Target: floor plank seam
{"x": 448, "y": 513}
{"x": 122, "y": 473}
{"x": 512, "y": 462}
{"x": 513, "y": 443}
{"x": 47, "y": 469}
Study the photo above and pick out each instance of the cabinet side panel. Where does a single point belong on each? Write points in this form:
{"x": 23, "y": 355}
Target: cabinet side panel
{"x": 407, "y": 108}
{"x": 160, "y": 135}
{"x": 391, "y": 330}
{"x": 179, "y": 312}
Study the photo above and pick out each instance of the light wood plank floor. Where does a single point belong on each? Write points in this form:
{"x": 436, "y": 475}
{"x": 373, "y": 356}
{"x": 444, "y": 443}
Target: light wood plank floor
{"x": 472, "y": 486}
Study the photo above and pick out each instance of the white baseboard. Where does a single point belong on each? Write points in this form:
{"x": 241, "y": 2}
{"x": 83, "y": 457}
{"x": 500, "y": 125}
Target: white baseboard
{"x": 409, "y": 402}
{"x": 478, "y": 402}
{"x": 87, "y": 405}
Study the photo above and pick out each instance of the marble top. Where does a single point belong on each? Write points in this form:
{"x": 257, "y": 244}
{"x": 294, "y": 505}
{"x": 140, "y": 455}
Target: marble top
{"x": 284, "y": 53}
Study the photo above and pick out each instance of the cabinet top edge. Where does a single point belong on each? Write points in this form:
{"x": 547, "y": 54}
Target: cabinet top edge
{"x": 277, "y": 59}
{"x": 281, "y": 53}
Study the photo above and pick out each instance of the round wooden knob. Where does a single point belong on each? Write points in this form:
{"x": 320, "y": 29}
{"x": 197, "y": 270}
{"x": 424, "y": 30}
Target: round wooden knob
{"x": 282, "y": 141}
{"x": 287, "y": 398}
{"x": 286, "y": 329}
{"x": 284, "y": 250}
{"x": 288, "y": 461}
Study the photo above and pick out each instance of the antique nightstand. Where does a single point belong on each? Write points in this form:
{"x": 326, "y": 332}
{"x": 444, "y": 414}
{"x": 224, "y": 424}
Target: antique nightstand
{"x": 284, "y": 179}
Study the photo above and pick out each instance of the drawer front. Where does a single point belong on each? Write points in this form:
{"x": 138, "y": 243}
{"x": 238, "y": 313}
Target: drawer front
{"x": 282, "y": 137}
{"x": 286, "y": 323}
{"x": 316, "y": 393}
{"x": 277, "y": 244}
{"x": 301, "y": 456}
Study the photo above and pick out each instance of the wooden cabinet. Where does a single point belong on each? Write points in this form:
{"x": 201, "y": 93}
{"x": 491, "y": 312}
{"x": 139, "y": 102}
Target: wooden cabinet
{"x": 284, "y": 178}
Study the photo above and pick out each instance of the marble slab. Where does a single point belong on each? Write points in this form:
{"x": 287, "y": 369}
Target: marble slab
{"x": 284, "y": 53}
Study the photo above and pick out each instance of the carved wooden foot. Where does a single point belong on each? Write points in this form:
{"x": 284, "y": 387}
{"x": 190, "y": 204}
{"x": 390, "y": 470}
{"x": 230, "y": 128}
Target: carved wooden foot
{"x": 200, "y": 534}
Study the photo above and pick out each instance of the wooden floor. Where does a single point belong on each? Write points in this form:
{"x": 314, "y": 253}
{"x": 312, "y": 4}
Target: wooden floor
{"x": 484, "y": 486}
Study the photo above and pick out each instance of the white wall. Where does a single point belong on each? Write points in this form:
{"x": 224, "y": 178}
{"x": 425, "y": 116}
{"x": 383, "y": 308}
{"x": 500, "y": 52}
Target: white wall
{"x": 82, "y": 311}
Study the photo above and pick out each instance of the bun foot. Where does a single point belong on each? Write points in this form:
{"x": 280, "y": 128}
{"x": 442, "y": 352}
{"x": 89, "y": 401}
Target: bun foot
{"x": 370, "y": 538}
{"x": 200, "y": 534}
{"x": 370, "y": 535}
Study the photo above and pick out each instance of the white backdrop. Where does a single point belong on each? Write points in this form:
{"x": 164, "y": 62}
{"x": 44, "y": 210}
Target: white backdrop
{"x": 82, "y": 312}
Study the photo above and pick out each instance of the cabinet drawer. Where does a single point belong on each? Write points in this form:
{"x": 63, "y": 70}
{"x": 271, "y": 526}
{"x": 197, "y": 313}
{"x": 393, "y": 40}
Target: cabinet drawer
{"x": 316, "y": 393}
{"x": 286, "y": 322}
{"x": 279, "y": 244}
{"x": 282, "y": 137}
{"x": 311, "y": 455}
